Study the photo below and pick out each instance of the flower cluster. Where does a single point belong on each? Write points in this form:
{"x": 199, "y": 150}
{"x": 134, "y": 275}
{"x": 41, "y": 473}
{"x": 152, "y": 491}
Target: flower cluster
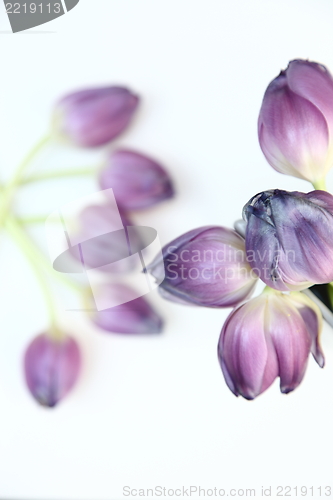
{"x": 87, "y": 119}
{"x": 285, "y": 240}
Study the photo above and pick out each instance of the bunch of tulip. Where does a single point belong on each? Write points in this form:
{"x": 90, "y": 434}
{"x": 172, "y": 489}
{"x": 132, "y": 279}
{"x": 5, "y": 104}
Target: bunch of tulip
{"x": 286, "y": 240}
{"x": 88, "y": 119}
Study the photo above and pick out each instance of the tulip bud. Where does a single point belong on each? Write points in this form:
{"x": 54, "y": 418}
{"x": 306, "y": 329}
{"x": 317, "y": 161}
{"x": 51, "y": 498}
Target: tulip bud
{"x": 205, "y": 267}
{"x": 111, "y": 246}
{"x": 94, "y": 117}
{"x": 130, "y": 316}
{"x": 51, "y": 368}
{"x": 137, "y": 181}
{"x": 289, "y": 238}
{"x": 269, "y": 337}
{"x": 296, "y": 121}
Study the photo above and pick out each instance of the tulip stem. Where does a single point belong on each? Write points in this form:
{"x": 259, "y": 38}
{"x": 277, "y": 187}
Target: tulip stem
{"x": 330, "y": 294}
{"x": 18, "y": 236}
{"x": 320, "y": 184}
{"x": 10, "y": 188}
{"x": 29, "y": 246}
{"x": 44, "y": 176}
{"x": 35, "y": 219}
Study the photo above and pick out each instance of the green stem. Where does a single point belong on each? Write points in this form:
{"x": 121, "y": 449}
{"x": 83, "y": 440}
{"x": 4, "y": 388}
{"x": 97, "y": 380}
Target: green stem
{"x": 268, "y": 289}
{"x": 320, "y": 184}
{"x": 330, "y": 292}
{"x": 9, "y": 190}
{"x": 29, "y": 246}
{"x": 17, "y": 235}
{"x": 35, "y": 219}
{"x": 44, "y": 176}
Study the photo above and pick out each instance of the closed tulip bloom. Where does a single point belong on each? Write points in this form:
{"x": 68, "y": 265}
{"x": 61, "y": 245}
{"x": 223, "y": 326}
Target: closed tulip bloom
{"x": 205, "y": 267}
{"x": 132, "y": 316}
{"x": 137, "y": 181}
{"x": 289, "y": 238}
{"x": 94, "y": 117}
{"x": 269, "y": 336}
{"x": 110, "y": 246}
{"x": 296, "y": 121}
{"x": 51, "y": 368}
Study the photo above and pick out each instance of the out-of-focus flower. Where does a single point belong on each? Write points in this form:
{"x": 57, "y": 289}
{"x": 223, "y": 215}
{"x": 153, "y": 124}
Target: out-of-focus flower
{"x": 296, "y": 121}
{"x": 269, "y": 336}
{"x": 134, "y": 316}
{"x": 103, "y": 243}
{"x": 289, "y": 238}
{"x": 51, "y": 368}
{"x": 94, "y": 117}
{"x": 206, "y": 267}
{"x": 137, "y": 181}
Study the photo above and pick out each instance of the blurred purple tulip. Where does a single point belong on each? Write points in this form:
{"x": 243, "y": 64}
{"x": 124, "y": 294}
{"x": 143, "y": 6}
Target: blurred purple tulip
{"x": 269, "y": 336}
{"x": 205, "y": 267}
{"x": 94, "y": 117}
{"x": 133, "y": 316}
{"x": 110, "y": 246}
{"x": 289, "y": 238}
{"x": 137, "y": 181}
{"x": 51, "y": 368}
{"x": 296, "y": 121}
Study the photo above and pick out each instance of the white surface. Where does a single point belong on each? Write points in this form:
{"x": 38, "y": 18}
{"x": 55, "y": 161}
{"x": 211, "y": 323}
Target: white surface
{"x": 156, "y": 411}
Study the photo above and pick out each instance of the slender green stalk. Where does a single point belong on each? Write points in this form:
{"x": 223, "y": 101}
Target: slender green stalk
{"x": 40, "y": 258}
{"x": 8, "y": 191}
{"x": 44, "y": 176}
{"x": 320, "y": 184}
{"x": 23, "y": 244}
{"x": 35, "y": 219}
{"x": 330, "y": 293}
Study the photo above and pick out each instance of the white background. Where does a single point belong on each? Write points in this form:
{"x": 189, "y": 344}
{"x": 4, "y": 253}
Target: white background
{"x": 156, "y": 411}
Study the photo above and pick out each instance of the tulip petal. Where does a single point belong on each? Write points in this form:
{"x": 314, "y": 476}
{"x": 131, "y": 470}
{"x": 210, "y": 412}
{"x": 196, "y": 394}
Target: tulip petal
{"x": 131, "y": 316}
{"x": 291, "y": 339}
{"x": 137, "y": 181}
{"x": 313, "y": 82}
{"x": 206, "y": 267}
{"x": 287, "y": 126}
{"x": 51, "y": 368}
{"x": 243, "y": 350}
{"x": 93, "y": 117}
{"x": 289, "y": 238}
{"x": 313, "y": 321}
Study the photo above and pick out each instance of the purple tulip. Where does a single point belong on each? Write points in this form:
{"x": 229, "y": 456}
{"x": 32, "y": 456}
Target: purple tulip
{"x": 110, "y": 246}
{"x": 94, "y": 117}
{"x": 268, "y": 337}
{"x": 296, "y": 121}
{"x": 289, "y": 238}
{"x": 51, "y": 368}
{"x": 205, "y": 267}
{"x": 137, "y": 181}
{"x": 133, "y": 316}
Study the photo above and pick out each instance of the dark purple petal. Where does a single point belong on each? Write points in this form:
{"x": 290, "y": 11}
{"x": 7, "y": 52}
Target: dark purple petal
{"x": 289, "y": 238}
{"x": 137, "y": 180}
{"x": 131, "y": 316}
{"x": 96, "y": 116}
{"x": 51, "y": 368}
